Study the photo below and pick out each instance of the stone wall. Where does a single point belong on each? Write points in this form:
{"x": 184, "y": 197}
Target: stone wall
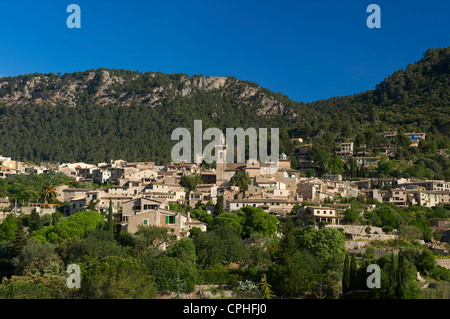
{"x": 356, "y": 232}
{"x": 441, "y": 223}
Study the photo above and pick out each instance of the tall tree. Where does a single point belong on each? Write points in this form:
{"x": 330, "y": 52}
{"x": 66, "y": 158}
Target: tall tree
{"x": 353, "y": 274}
{"x": 20, "y": 239}
{"x": 110, "y": 223}
{"x": 35, "y": 221}
{"x": 392, "y": 285}
{"x": 48, "y": 193}
{"x": 346, "y": 275}
{"x": 401, "y": 276}
{"x": 218, "y": 209}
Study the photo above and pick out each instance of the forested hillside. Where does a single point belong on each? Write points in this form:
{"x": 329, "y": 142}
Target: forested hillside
{"x": 102, "y": 114}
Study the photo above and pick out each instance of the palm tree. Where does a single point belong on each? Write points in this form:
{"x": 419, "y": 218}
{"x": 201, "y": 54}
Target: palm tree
{"x": 48, "y": 193}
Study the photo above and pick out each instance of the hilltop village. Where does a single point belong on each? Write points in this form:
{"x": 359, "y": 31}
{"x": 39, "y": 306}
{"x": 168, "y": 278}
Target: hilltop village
{"x": 142, "y": 193}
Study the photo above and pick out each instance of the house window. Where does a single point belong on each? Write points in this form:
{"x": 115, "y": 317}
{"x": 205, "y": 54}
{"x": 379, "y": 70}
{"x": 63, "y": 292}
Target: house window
{"x": 170, "y": 219}
{"x": 145, "y": 221}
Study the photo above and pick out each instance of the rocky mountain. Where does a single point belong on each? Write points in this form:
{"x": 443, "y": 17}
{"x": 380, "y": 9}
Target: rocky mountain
{"x": 102, "y": 114}
{"x": 120, "y": 87}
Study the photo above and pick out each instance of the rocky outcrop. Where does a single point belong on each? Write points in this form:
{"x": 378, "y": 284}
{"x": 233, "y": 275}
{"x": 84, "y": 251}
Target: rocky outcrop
{"x": 120, "y": 87}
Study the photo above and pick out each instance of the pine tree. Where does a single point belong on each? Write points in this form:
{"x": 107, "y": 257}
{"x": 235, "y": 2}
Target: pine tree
{"x": 266, "y": 288}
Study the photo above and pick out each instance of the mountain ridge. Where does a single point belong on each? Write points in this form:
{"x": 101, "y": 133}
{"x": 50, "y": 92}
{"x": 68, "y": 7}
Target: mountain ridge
{"x": 97, "y": 115}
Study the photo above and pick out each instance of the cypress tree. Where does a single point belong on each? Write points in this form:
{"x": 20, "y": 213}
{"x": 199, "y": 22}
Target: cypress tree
{"x": 401, "y": 276}
{"x": 35, "y": 221}
{"x": 20, "y": 240}
{"x": 353, "y": 274}
{"x": 346, "y": 275}
{"x": 110, "y": 224}
{"x": 391, "y": 293}
{"x": 218, "y": 209}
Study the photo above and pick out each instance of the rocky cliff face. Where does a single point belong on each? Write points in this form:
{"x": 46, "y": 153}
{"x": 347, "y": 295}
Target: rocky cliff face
{"x": 119, "y": 87}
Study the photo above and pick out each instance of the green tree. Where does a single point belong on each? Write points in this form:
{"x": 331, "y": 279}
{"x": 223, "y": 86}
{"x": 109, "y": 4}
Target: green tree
{"x": 291, "y": 273}
{"x": 218, "y": 209}
{"x": 73, "y": 226}
{"x": 183, "y": 249}
{"x": 110, "y": 223}
{"x": 219, "y": 246}
{"x": 152, "y": 236}
{"x": 48, "y": 193}
{"x": 346, "y": 275}
{"x": 232, "y": 220}
{"x": 8, "y": 228}
{"x": 336, "y": 165}
{"x": 20, "y": 239}
{"x": 35, "y": 221}
{"x": 92, "y": 205}
{"x": 117, "y": 278}
{"x": 353, "y": 274}
{"x": 172, "y": 274}
{"x": 38, "y": 258}
{"x": 256, "y": 220}
{"x": 392, "y": 286}
{"x": 311, "y": 173}
{"x": 266, "y": 288}
{"x": 191, "y": 180}
{"x": 401, "y": 276}
{"x": 201, "y": 215}
{"x": 241, "y": 180}
{"x": 352, "y": 216}
{"x": 385, "y": 166}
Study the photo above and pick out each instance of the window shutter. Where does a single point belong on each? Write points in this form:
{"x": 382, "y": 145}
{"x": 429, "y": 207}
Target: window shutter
{"x": 167, "y": 219}
{"x": 174, "y": 219}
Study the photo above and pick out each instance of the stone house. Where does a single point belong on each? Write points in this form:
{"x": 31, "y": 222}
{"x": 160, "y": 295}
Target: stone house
{"x": 318, "y": 214}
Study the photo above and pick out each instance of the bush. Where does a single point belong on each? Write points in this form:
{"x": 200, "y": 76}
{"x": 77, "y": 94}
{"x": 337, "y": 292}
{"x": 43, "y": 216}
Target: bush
{"x": 24, "y": 290}
{"x": 442, "y": 291}
{"x": 117, "y": 278}
{"x": 173, "y": 274}
{"x": 74, "y": 226}
{"x": 437, "y": 236}
{"x": 387, "y": 229}
{"x": 440, "y": 273}
{"x": 370, "y": 252}
{"x": 210, "y": 277}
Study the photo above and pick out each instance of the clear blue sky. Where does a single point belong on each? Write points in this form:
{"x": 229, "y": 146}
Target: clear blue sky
{"x": 308, "y": 50}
